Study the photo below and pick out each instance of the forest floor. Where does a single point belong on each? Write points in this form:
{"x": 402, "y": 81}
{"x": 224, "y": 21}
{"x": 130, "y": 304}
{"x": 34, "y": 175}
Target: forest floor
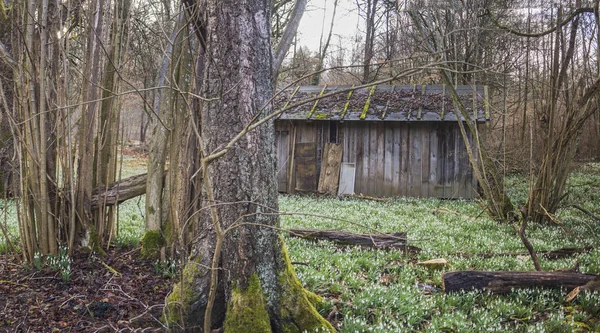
{"x": 117, "y": 292}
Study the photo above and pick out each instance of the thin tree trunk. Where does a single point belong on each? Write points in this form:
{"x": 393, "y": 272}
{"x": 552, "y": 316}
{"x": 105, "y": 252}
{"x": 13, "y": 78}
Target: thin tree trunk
{"x": 86, "y": 170}
{"x": 35, "y": 80}
{"x": 158, "y": 143}
{"x": 369, "y": 39}
{"x": 288, "y": 36}
{"x": 109, "y": 116}
{"x": 323, "y": 47}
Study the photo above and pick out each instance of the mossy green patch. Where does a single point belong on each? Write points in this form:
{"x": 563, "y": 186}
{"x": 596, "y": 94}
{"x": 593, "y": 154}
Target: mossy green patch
{"x": 179, "y": 300}
{"x": 247, "y": 310}
{"x": 298, "y": 305}
{"x": 152, "y": 242}
{"x": 321, "y": 115}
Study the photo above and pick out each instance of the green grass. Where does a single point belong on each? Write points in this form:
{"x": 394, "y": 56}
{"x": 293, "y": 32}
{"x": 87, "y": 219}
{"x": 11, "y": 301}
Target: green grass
{"x": 383, "y": 290}
{"x": 351, "y": 278}
{"x": 8, "y": 219}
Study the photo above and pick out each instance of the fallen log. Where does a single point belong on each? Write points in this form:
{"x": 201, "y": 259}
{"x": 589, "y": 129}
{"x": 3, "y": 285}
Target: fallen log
{"x": 394, "y": 240}
{"x": 503, "y": 281}
{"x": 120, "y": 191}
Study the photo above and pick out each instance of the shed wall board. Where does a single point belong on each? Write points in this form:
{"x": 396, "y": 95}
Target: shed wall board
{"x": 282, "y": 160}
{"x": 427, "y": 159}
{"x": 346, "y": 179}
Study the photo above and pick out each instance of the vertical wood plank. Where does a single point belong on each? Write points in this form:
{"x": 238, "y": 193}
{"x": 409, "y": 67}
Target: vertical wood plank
{"x": 372, "y": 165}
{"x": 433, "y": 161}
{"x": 425, "y": 160}
{"x": 449, "y": 171}
{"x": 306, "y": 167}
{"x": 473, "y": 176}
{"x": 345, "y": 142}
{"x": 404, "y": 153}
{"x": 458, "y": 176}
{"x": 467, "y": 171}
{"x": 321, "y": 173}
{"x": 456, "y": 157}
{"x": 292, "y": 171}
{"x": 396, "y": 161}
{"x": 441, "y": 164}
{"x": 281, "y": 140}
{"x": 361, "y": 152}
{"x": 319, "y": 128}
{"x": 388, "y": 161}
{"x": 464, "y": 169}
{"x": 415, "y": 162}
{"x": 354, "y": 144}
{"x": 379, "y": 190}
{"x": 330, "y": 169}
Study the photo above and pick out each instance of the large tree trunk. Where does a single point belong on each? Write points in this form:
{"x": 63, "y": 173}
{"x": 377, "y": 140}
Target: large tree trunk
{"x": 250, "y": 265}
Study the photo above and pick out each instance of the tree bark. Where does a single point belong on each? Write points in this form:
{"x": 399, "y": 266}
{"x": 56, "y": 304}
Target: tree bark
{"x": 395, "y": 240}
{"x": 503, "y": 282}
{"x": 237, "y": 252}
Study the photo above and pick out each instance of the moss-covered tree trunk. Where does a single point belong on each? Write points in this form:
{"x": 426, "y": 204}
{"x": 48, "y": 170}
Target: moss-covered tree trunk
{"x": 257, "y": 290}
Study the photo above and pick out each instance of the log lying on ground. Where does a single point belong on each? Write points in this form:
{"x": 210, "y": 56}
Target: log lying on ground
{"x": 120, "y": 191}
{"x": 503, "y": 281}
{"x": 395, "y": 240}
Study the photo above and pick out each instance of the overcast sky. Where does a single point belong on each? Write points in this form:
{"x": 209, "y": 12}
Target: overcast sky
{"x": 312, "y": 22}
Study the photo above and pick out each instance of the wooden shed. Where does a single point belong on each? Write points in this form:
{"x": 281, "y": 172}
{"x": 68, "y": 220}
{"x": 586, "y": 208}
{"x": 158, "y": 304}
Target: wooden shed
{"x": 378, "y": 141}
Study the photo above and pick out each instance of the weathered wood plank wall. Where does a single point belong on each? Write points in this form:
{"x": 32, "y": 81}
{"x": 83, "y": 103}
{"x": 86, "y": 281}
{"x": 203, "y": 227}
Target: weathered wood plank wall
{"x": 425, "y": 159}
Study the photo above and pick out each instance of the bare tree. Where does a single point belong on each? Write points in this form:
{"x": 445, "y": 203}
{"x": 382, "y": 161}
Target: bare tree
{"x": 324, "y": 44}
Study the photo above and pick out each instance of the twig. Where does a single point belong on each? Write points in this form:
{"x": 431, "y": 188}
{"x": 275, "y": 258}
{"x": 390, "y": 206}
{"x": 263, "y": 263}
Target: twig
{"x": 300, "y": 263}
{"x": 527, "y": 243}
{"x": 70, "y": 298}
{"x": 560, "y": 223}
{"x": 448, "y": 211}
{"x": 14, "y": 283}
{"x": 366, "y": 197}
{"x": 110, "y": 269}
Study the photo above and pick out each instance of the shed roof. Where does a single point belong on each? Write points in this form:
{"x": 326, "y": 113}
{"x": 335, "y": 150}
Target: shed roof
{"x": 382, "y": 103}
